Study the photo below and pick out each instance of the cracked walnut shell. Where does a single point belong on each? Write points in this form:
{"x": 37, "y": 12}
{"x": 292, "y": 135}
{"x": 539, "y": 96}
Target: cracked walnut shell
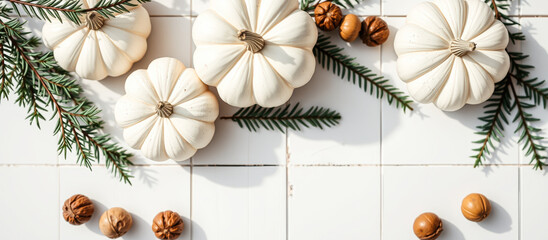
{"x": 374, "y": 31}
{"x": 115, "y": 222}
{"x": 167, "y": 225}
{"x": 475, "y": 207}
{"x": 428, "y": 226}
{"x": 328, "y": 16}
{"x": 78, "y": 209}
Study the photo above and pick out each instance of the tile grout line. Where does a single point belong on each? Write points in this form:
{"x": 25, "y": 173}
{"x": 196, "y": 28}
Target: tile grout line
{"x": 278, "y": 165}
{"x": 287, "y": 188}
{"x": 381, "y": 187}
{"x": 359, "y": 15}
{"x": 519, "y": 148}
{"x": 519, "y": 204}
{"x": 58, "y": 197}
{"x": 191, "y": 195}
{"x": 192, "y": 158}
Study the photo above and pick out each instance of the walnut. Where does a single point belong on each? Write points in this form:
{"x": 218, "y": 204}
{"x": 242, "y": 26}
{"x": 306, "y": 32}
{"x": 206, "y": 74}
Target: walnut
{"x": 428, "y": 226}
{"x": 115, "y": 222}
{"x": 475, "y": 207}
{"x": 350, "y": 28}
{"x": 374, "y": 31}
{"x": 167, "y": 225}
{"x": 78, "y": 209}
{"x": 328, "y": 16}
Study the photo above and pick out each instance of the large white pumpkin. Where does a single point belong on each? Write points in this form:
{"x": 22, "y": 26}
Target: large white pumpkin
{"x": 254, "y": 51}
{"x": 99, "y": 47}
{"x": 452, "y": 52}
{"x": 167, "y": 111}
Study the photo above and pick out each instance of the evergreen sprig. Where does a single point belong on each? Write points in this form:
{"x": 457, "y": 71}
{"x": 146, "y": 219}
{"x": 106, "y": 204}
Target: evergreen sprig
{"x": 506, "y": 100}
{"x": 39, "y": 85}
{"x": 330, "y": 57}
{"x": 72, "y": 10}
{"x": 309, "y": 5}
{"x": 256, "y": 117}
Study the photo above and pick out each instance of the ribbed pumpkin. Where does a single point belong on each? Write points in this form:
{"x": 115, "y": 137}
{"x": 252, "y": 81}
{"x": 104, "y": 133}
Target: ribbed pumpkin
{"x": 167, "y": 112}
{"x": 253, "y": 51}
{"x": 100, "y": 46}
{"x": 452, "y": 52}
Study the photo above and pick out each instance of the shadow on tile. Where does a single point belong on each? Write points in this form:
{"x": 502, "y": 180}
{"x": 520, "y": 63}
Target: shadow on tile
{"x": 138, "y": 223}
{"x": 239, "y": 177}
{"x": 145, "y": 175}
{"x": 499, "y": 221}
{"x": 93, "y": 224}
{"x": 451, "y": 231}
{"x": 177, "y": 7}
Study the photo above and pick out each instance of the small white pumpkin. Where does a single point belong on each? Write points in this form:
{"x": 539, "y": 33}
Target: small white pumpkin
{"x": 99, "y": 47}
{"x": 167, "y": 112}
{"x": 452, "y": 52}
{"x": 253, "y": 51}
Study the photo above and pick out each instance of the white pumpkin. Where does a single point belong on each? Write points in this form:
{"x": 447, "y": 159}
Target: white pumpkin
{"x": 167, "y": 112}
{"x": 254, "y": 51}
{"x": 452, "y": 52}
{"x": 99, "y": 47}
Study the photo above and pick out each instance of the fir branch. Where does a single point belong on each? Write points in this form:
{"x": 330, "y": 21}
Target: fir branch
{"x": 329, "y": 56}
{"x": 493, "y": 126}
{"x": 533, "y": 87}
{"x": 506, "y": 97}
{"x": 72, "y": 10}
{"x": 42, "y": 84}
{"x": 310, "y": 5}
{"x": 256, "y": 117}
{"x": 531, "y": 143}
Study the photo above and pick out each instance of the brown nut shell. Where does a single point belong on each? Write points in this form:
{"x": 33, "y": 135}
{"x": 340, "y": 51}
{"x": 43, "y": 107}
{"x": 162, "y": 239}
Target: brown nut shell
{"x": 350, "y": 28}
{"x": 428, "y": 226}
{"x": 374, "y": 31}
{"x": 475, "y": 207}
{"x": 328, "y": 16}
{"x": 115, "y": 222}
{"x": 167, "y": 225}
{"x": 78, "y": 209}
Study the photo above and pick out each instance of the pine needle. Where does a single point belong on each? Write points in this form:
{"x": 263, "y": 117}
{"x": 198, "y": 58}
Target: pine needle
{"x": 72, "y": 10}
{"x": 329, "y": 56}
{"x": 295, "y": 118}
{"x": 42, "y": 87}
{"x": 506, "y": 101}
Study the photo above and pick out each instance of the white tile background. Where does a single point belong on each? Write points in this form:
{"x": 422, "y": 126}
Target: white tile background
{"x": 365, "y": 179}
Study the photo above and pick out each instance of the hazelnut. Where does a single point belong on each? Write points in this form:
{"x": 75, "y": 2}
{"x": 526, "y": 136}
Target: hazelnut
{"x": 328, "y": 16}
{"x": 428, "y": 226}
{"x": 475, "y": 207}
{"x": 374, "y": 31}
{"x": 350, "y": 28}
{"x": 115, "y": 222}
{"x": 167, "y": 225}
{"x": 78, "y": 209}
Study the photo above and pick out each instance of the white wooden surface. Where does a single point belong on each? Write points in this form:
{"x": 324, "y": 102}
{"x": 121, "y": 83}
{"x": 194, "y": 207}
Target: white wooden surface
{"x": 365, "y": 179}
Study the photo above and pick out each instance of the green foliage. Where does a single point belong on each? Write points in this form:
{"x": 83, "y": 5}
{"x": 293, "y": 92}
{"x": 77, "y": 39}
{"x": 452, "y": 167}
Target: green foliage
{"x": 72, "y": 10}
{"x": 330, "y": 57}
{"x": 309, "y": 5}
{"x": 506, "y": 100}
{"x": 256, "y": 117}
{"x": 41, "y": 85}
{"x": 496, "y": 111}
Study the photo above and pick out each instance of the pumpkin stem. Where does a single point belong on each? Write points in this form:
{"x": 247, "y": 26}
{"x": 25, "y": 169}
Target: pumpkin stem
{"x": 460, "y": 47}
{"x": 253, "y": 42}
{"x": 164, "y": 109}
{"x": 94, "y": 20}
